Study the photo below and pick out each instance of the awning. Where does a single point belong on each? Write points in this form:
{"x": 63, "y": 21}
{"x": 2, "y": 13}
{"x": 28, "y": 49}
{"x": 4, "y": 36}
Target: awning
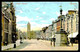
{"x": 73, "y": 35}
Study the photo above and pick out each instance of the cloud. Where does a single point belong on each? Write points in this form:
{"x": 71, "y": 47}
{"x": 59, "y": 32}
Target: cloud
{"x": 39, "y": 26}
{"x": 43, "y": 21}
{"x": 63, "y": 13}
{"x": 44, "y": 12}
{"x": 57, "y": 13}
{"x": 23, "y": 29}
{"x": 44, "y": 25}
{"x": 52, "y": 19}
{"x": 20, "y": 25}
{"x": 37, "y": 8}
{"x": 19, "y": 18}
{"x": 37, "y": 16}
{"x": 34, "y": 26}
{"x": 33, "y": 23}
{"x": 20, "y": 11}
{"x": 41, "y": 18}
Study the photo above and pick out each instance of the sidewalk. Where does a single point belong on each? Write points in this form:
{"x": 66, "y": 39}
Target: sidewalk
{"x": 10, "y": 45}
{"x": 75, "y": 47}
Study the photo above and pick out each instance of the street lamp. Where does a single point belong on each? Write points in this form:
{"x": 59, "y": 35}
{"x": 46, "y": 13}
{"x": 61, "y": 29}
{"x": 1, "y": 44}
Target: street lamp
{"x": 14, "y": 42}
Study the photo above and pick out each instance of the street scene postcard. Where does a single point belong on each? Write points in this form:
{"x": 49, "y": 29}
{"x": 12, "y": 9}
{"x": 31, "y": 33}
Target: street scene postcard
{"x": 45, "y": 26}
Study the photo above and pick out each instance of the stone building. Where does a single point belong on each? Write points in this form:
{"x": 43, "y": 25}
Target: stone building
{"x": 13, "y": 23}
{"x": 70, "y": 23}
{"x": 73, "y": 21}
{"x": 54, "y": 28}
{"x": 7, "y": 23}
{"x": 48, "y": 32}
{"x": 38, "y": 35}
{"x": 59, "y": 24}
{"x": 43, "y": 33}
{"x": 18, "y": 35}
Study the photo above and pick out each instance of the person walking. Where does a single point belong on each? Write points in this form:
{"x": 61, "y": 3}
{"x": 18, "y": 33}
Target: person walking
{"x": 20, "y": 39}
{"x": 51, "y": 41}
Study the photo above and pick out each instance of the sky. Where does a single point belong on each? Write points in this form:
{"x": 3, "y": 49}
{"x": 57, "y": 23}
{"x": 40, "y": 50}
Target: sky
{"x": 39, "y": 14}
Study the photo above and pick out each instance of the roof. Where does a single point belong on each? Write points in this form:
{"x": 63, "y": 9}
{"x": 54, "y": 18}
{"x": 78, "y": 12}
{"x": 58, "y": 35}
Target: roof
{"x": 71, "y": 10}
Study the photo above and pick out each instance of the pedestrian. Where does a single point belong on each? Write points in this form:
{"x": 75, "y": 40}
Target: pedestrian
{"x": 20, "y": 39}
{"x": 71, "y": 40}
{"x": 68, "y": 42}
{"x": 51, "y": 41}
{"x": 54, "y": 41}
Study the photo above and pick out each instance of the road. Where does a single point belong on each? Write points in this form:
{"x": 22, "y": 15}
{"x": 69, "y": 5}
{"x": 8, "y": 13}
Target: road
{"x": 34, "y": 44}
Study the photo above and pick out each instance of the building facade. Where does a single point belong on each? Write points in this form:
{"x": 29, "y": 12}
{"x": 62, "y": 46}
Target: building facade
{"x": 7, "y": 23}
{"x": 13, "y": 23}
{"x": 43, "y": 32}
{"x": 54, "y": 28}
{"x": 71, "y": 24}
{"x": 38, "y": 34}
{"x": 48, "y": 32}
